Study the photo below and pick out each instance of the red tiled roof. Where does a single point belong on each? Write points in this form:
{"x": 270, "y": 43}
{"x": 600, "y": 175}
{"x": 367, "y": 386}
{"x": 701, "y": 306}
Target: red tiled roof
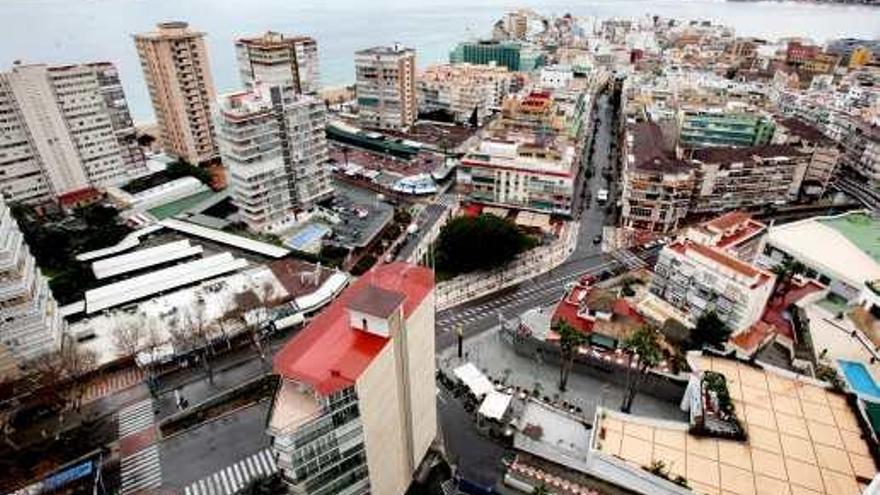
{"x": 774, "y": 313}
{"x": 728, "y": 221}
{"x": 328, "y": 354}
{"x": 472, "y": 210}
{"x": 746, "y": 231}
{"x": 74, "y": 197}
{"x": 754, "y": 336}
{"x": 569, "y": 313}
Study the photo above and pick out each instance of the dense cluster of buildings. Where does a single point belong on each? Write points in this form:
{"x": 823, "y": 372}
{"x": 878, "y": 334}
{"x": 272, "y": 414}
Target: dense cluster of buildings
{"x": 753, "y": 124}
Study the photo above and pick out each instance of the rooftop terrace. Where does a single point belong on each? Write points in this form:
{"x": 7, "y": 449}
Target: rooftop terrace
{"x": 803, "y": 439}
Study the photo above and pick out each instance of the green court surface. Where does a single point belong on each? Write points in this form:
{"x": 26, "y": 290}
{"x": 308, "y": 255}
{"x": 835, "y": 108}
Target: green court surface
{"x": 860, "y": 229}
{"x": 173, "y": 208}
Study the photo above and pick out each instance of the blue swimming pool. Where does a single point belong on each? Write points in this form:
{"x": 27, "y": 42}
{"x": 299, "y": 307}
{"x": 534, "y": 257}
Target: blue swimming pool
{"x": 860, "y": 380}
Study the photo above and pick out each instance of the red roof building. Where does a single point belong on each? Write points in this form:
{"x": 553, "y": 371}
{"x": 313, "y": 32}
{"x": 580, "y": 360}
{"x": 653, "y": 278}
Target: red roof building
{"x": 363, "y": 373}
{"x": 329, "y": 354}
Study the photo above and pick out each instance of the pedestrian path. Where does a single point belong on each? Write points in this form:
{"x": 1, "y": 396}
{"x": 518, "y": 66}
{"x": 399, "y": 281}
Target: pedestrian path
{"x": 141, "y": 470}
{"x": 235, "y": 477}
{"x": 135, "y": 418}
{"x": 103, "y": 386}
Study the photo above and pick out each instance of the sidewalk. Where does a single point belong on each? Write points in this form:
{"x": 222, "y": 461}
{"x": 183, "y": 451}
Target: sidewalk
{"x": 467, "y": 287}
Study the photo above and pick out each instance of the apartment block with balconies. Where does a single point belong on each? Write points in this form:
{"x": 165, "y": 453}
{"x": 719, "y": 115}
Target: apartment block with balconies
{"x": 657, "y": 186}
{"x": 69, "y": 130}
{"x": 355, "y": 412}
{"x": 386, "y": 87}
{"x": 272, "y": 142}
{"x": 276, "y": 59}
{"x": 175, "y": 64}
{"x": 463, "y": 89}
{"x": 696, "y": 279}
{"x": 30, "y": 323}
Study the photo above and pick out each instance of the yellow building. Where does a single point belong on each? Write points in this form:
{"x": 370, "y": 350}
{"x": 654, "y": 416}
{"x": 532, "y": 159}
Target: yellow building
{"x": 860, "y": 56}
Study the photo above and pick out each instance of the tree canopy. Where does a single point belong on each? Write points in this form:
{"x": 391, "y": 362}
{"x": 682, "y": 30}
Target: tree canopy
{"x": 479, "y": 243}
{"x": 709, "y": 330}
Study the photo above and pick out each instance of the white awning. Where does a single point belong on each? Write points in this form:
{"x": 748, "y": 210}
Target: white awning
{"x": 324, "y": 294}
{"x": 474, "y": 379}
{"x": 238, "y": 241}
{"x": 144, "y": 258}
{"x": 150, "y": 284}
{"x": 128, "y": 242}
{"x": 495, "y": 405}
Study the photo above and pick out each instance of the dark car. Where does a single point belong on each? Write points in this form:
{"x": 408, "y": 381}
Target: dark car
{"x": 597, "y": 239}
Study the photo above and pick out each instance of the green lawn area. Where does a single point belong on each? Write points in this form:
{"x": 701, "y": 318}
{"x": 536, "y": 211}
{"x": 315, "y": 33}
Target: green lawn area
{"x": 173, "y": 208}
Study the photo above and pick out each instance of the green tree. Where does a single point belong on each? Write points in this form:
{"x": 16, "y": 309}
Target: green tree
{"x": 540, "y": 490}
{"x": 644, "y": 347}
{"x": 785, "y": 272}
{"x": 570, "y": 339}
{"x": 479, "y": 243}
{"x": 710, "y": 330}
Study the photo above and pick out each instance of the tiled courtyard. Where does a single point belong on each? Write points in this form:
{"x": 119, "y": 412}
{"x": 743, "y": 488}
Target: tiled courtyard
{"x": 803, "y": 439}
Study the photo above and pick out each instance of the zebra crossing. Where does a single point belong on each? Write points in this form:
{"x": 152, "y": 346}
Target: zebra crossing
{"x": 106, "y": 385}
{"x": 141, "y": 470}
{"x": 529, "y": 293}
{"x": 233, "y": 478}
{"x": 135, "y": 417}
{"x": 629, "y": 259}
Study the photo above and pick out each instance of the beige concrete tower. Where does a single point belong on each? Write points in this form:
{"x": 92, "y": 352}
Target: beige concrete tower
{"x": 178, "y": 76}
{"x": 386, "y": 87}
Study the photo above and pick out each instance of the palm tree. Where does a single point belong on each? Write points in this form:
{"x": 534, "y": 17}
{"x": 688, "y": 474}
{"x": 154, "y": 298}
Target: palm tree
{"x": 784, "y": 272}
{"x": 570, "y": 339}
{"x": 540, "y": 490}
{"x": 644, "y": 347}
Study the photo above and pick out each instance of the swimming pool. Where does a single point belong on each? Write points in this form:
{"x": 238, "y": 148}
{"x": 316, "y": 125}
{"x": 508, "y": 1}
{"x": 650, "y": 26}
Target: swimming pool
{"x": 860, "y": 380}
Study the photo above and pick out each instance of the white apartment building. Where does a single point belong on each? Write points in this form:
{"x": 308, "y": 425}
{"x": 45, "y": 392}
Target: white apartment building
{"x": 556, "y": 76}
{"x": 273, "y": 144}
{"x": 275, "y": 59}
{"x": 356, "y": 410}
{"x": 64, "y": 129}
{"x": 31, "y": 324}
{"x": 522, "y": 175}
{"x": 461, "y": 89}
{"x": 386, "y": 87}
{"x": 696, "y": 279}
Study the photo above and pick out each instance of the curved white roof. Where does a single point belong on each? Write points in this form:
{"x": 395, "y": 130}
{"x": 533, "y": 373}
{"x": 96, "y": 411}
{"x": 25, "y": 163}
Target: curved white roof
{"x": 826, "y": 249}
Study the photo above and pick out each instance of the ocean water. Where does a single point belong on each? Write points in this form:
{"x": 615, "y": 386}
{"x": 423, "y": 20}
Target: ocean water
{"x": 68, "y": 31}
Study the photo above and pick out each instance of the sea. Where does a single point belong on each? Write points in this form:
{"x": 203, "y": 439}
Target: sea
{"x": 73, "y": 31}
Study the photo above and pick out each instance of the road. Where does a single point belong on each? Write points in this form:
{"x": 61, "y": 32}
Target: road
{"x": 200, "y": 452}
{"x": 479, "y": 315}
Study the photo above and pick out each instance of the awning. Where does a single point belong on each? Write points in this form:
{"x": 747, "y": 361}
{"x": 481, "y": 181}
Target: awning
{"x": 495, "y": 405}
{"x": 474, "y": 379}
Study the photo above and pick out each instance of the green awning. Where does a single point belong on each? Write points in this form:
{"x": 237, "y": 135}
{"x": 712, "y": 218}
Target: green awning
{"x": 603, "y": 341}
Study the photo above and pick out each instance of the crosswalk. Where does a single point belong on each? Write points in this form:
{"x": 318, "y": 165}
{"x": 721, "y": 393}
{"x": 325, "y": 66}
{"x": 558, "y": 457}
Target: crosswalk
{"x": 629, "y": 259}
{"x": 141, "y": 471}
{"x": 105, "y": 385}
{"x": 532, "y": 293}
{"x": 135, "y": 417}
{"x": 235, "y": 477}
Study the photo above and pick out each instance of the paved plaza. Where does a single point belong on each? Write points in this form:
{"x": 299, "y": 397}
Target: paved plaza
{"x": 498, "y": 360}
